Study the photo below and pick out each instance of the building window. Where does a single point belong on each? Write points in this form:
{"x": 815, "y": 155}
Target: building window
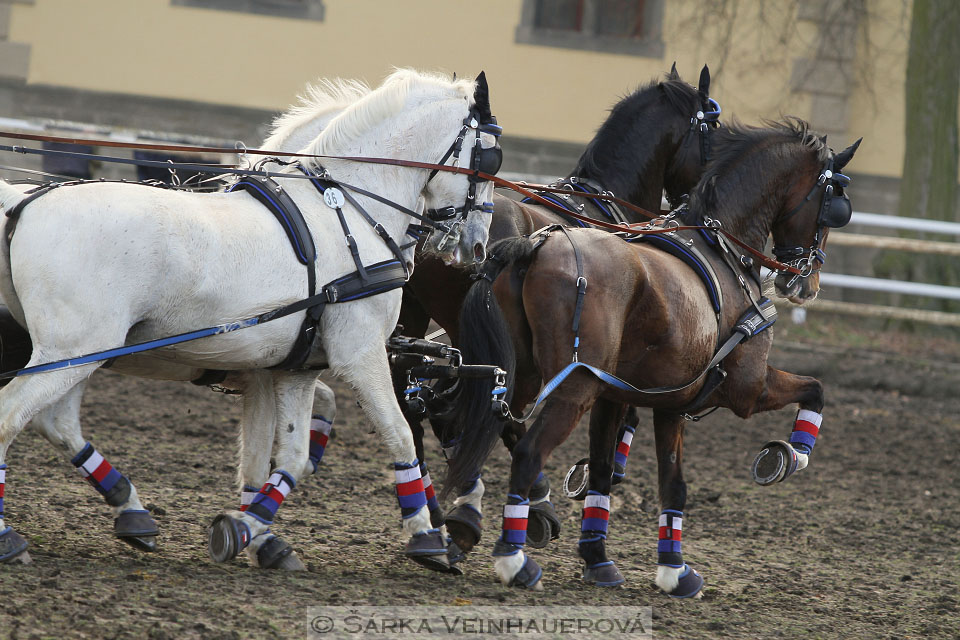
{"x": 308, "y": 9}
{"x": 629, "y": 27}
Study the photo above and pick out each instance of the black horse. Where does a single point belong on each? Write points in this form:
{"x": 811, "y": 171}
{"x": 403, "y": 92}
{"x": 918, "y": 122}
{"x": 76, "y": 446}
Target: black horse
{"x": 657, "y": 323}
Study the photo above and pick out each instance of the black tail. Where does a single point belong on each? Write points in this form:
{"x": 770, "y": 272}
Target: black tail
{"x": 484, "y": 339}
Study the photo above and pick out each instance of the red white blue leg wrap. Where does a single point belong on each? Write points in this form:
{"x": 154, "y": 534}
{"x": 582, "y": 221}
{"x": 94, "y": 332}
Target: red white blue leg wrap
{"x": 410, "y": 492}
{"x": 432, "y": 502}
{"x": 805, "y": 431}
{"x": 319, "y": 436}
{"x": 623, "y": 451}
{"x": 111, "y": 484}
{"x": 265, "y": 503}
{"x": 668, "y": 546}
{"x": 595, "y": 517}
{"x": 247, "y": 495}
{"x": 514, "y": 534}
{"x": 3, "y": 481}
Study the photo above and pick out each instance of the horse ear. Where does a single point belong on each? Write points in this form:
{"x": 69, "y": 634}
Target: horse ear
{"x": 841, "y": 159}
{"x": 481, "y": 97}
{"x": 704, "y": 86}
{"x": 673, "y": 75}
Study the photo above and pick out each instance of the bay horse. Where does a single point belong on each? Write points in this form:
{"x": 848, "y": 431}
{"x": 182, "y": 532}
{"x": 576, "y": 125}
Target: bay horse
{"x": 656, "y": 139}
{"x": 612, "y": 323}
{"x": 215, "y": 258}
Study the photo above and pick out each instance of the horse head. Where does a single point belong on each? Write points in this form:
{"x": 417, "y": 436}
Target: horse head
{"x": 464, "y": 230}
{"x": 800, "y": 234}
{"x": 695, "y": 138}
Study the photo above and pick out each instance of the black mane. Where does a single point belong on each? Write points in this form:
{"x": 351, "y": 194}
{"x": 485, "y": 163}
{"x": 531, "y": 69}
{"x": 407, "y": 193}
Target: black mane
{"x": 736, "y": 151}
{"x": 612, "y": 158}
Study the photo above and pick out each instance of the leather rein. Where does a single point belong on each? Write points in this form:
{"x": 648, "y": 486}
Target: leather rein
{"x": 524, "y": 189}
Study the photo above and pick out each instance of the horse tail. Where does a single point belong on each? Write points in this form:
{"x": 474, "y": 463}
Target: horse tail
{"x": 485, "y": 338}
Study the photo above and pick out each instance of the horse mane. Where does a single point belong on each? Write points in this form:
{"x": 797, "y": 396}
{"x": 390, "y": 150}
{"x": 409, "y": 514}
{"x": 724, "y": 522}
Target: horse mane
{"x": 595, "y": 162}
{"x": 378, "y": 104}
{"x": 318, "y": 99}
{"x": 734, "y": 147}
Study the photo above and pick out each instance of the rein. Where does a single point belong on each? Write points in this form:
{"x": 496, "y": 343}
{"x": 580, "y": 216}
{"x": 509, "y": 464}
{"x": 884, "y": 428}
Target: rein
{"x": 524, "y": 189}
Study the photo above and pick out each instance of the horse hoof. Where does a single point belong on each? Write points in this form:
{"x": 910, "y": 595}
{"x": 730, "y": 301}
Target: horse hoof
{"x": 465, "y": 526}
{"x": 226, "y": 536}
{"x": 137, "y": 528}
{"x": 543, "y": 525}
{"x": 277, "y": 554}
{"x": 529, "y": 576}
{"x": 603, "y": 574}
{"x": 428, "y": 549}
{"x": 13, "y": 547}
{"x": 575, "y": 482}
{"x": 619, "y": 473}
{"x": 689, "y": 585}
{"x": 454, "y": 557}
{"x": 776, "y": 461}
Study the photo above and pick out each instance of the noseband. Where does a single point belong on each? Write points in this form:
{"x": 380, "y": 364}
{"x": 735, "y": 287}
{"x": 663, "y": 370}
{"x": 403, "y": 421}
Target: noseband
{"x": 835, "y": 212}
{"x": 482, "y": 160}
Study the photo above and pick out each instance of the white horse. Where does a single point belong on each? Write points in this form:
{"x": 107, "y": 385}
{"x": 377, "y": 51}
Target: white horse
{"x": 145, "y": 263}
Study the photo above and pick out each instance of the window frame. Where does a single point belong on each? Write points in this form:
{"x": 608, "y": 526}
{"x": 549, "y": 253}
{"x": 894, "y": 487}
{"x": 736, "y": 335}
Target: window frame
{"x": 649, "y": 45}
{"x": 312, "y": 9}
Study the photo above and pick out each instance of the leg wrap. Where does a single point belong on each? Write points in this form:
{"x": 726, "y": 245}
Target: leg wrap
{"x": 805, "y": 431}
{"x": 3, "y": 481}
{"x": 410, "y": 492}
{"x": 264, "y": 505}
{"x": 514, "y": 535}
{"x": 668, "y": 547}
{"x": 247, "y": 495}
{"x": 596, "y": 514}
{"x": 623, "y": 450}
{"x": 111, "y": 484}
{"x": 319, "y": 436}
{"x": 432, "y": 502}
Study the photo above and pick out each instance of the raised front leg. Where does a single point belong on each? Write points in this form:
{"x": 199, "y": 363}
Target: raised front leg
{"x": 778, "y": 459}
{"x": 673, "y": 576}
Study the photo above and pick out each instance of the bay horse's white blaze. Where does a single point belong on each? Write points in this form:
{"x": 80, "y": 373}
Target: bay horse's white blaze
{"x": 95, "y": 266}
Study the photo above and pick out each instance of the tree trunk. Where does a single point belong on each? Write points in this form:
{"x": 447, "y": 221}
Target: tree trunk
{"x": 928, "y": 188}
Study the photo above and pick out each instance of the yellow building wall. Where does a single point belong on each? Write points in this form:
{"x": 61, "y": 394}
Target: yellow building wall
{"x": 151, "y": 48}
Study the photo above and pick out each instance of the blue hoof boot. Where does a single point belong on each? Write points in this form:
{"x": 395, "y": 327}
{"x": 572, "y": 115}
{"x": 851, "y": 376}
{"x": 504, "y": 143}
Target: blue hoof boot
{"x": 226, "y": 537}
{"x": 277, "y": 554}
{"x": 454, "y": 557}
{"x": 465, "y": 526}
{"x": 528, "y": 576}
{"x": 603, "y": 574}
{"x": 689, "y": 585}
{"x": 428, "y": 549}
{"x": 775, "y": 462}
{"x": 543, "y": 525}
{"x": 12, "y": 545}
{"x": 137, "y": 528}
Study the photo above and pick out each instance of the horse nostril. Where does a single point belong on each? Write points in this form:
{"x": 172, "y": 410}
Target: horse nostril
{"x": 479, "y": 253}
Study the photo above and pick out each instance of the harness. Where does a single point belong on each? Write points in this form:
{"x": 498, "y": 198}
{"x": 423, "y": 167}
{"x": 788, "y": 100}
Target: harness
{"x": 367, "y": 280}
{"x": 835, "y": 212}
{"x": 759, "y": 316}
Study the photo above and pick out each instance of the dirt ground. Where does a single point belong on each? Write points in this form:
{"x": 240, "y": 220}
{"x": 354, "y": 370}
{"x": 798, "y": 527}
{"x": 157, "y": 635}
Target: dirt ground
{"x": 863, "y": 544}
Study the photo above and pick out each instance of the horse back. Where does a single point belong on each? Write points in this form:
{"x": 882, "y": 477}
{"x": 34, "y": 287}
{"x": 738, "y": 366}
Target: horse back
{"x": 646, "y": 316}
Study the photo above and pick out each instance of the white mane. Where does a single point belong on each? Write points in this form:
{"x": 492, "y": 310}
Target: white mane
{"x": 323, "y": 98}
{"x": 384, "y": 101}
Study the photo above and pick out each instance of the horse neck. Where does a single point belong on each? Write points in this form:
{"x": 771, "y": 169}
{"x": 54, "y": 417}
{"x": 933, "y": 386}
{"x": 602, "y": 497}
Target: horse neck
{"x": 392, "y": 138}
{"x": 631, "y": 153}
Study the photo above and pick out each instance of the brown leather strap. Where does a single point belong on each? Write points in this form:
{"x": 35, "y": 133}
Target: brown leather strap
{"x": 630, "y": 228}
